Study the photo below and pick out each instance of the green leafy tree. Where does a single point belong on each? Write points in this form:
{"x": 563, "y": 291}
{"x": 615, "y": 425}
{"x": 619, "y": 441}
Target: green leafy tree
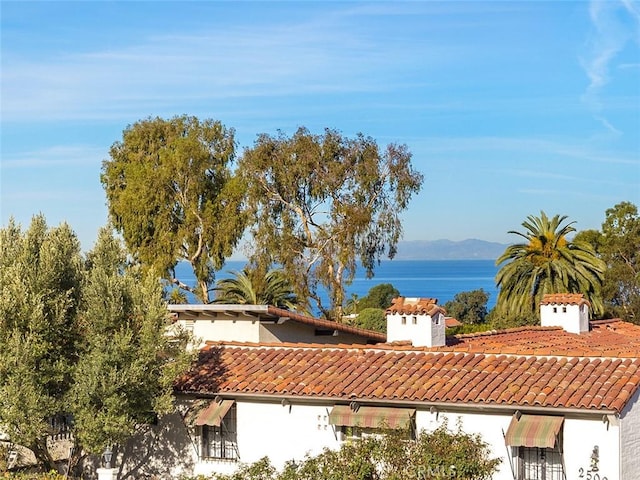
{"x": 621, "y": 252}
{"x": 40, "y": 280}
{"x": 547, "y": 262}
{"x": 372, "y": 319}
{"x": 469, "y": 307}
{"x": 127, "y": 366}
{"x": 618, "y": 244}
{"x": 172, "y": 195}
{"x": 322, "y": 203}
{"x": 274, "y": 289}
{"x": 379, "y": 296}
{"x": 80, "y": 336}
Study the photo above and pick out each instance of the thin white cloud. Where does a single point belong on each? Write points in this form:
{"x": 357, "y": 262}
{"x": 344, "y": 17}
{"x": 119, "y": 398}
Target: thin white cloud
{"x": 164, "y": 71}
{"x": 615, "y": 23}
{"x": 539, "y": 146}
{"x": 55, "y": 157}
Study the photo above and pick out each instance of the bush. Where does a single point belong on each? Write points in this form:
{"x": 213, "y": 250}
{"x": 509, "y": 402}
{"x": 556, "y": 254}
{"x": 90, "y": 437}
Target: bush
{"x": 33, "y": 476}
{"x": 372, "y": 319}
{"x": 438, "y": 454}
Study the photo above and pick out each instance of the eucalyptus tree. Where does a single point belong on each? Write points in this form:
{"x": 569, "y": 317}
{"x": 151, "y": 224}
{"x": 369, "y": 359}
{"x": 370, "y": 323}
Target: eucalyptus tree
{"x": 40, "y": 281}
{"x": 173, "y": 196}
{"x": 243, "y": 288}
{"x": 324, "y": 203}
{"x": 547, "y": 262}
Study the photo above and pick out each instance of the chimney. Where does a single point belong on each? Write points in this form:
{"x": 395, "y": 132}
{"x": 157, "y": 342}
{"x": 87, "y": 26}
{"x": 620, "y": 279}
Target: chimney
{"x": 418, "y": 320}
{"x": 567, "y": 310}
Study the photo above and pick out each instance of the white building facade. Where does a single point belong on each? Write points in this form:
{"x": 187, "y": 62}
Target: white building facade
{"x": 554, "y": 402}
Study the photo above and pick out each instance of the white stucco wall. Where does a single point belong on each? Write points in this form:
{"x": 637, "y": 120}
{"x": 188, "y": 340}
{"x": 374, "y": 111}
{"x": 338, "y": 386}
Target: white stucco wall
{"x": 580, "y": 436}
{"x": 574, "y": 320}
{"x": 279, "y": 432}
{"x": 240, "y": 329}
{"x": 290, "y": 432}
{"x": 421, "y": 330}
{"x": 630, "y": 439}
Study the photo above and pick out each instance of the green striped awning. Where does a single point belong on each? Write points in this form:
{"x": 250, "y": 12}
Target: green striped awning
{"x": 208, "y": 412}
{"x": 533, "y": 431}
{"x": 371, "y": 417}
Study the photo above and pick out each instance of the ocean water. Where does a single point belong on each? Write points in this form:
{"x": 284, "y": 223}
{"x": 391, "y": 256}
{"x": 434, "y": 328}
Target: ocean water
{"x": 441, "y": 279}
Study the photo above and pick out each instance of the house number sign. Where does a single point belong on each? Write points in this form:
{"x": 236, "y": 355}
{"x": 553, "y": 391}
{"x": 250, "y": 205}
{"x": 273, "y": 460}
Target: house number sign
{"x": 593, "y": 472}
{"x": 589, "y": 475}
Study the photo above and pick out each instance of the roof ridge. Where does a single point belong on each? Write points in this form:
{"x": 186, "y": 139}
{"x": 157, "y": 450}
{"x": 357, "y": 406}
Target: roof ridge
{"x": 502, "y": 331}
{"x": 406, "y": 349}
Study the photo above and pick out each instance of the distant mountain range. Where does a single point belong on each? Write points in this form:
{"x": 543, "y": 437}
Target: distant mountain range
{"x": 471, "y": 249}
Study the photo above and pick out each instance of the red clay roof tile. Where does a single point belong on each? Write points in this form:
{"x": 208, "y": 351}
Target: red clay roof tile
{"x": 416, "y": 306}
{"x": 564, "y": 299}
{"x": 372, "y": 373}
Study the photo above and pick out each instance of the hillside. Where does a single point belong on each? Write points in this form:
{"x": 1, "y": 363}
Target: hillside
{"x": 471, "y": 249}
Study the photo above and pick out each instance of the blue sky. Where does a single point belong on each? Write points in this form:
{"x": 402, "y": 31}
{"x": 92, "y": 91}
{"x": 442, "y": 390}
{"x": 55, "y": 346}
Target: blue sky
{"x": 509, "y": 108}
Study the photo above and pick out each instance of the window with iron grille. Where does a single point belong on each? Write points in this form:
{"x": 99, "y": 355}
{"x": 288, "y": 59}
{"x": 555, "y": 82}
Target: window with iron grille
{"x": 534, "y": 463}
{"x": 221, "y": 442}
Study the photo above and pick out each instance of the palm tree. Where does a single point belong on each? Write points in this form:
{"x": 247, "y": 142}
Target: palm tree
{"x": 547, "y": 263}
{"x": 274, "y": 290}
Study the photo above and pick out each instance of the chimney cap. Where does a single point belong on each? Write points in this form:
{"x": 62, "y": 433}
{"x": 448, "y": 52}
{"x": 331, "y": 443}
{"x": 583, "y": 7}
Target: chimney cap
{"x": 415, "y": 306}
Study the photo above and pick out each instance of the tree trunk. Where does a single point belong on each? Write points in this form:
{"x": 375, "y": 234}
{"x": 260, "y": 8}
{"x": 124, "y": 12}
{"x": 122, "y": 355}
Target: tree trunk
{"x": 204, "y": 291}
{"x": 43, "y": 456}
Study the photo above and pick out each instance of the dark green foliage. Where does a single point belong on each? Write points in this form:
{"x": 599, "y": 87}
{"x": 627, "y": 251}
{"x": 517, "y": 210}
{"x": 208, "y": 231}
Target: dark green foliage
{"x": 372, "y": 319}
{"x": 323, "y": 203}
{"x": 80, "y": 336}
{"x": 40, "y": 280}
{"x": 468, "y": 307}
{"x": 620, "y": 249}
{"x": 173, "y": 197}
{"x": 379, "y": 296}
{"x": 547, "y": 262}
{"x": 125, "y": 373}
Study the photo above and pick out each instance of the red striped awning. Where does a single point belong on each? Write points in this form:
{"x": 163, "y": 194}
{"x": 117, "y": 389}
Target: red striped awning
{"x": 533, "y": 431}
{"x": 208, "y": 412}
{"x": 371, "y": 417}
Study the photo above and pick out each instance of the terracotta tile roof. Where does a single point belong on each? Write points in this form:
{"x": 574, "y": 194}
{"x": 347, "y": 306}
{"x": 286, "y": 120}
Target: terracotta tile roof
{"x": 564, "y": 299}
{"x": 415, "y": 306}
{"x": 450, "y": 322}
{"x": 344, "y": 373}
{"x": 606, "y": 338}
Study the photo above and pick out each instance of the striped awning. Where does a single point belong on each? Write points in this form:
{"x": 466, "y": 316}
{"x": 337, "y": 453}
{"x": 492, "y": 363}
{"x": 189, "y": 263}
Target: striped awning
{"x": 208, "y": 412}
{"x": 371, "y": 417}
{"x": 533, "y": 431}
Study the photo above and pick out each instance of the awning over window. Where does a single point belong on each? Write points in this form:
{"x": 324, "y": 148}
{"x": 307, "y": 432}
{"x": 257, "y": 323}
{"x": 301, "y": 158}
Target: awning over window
{"x": 371, "y": 417}
{"x": 533, "y": 431}
{"x": 208, "y": 412}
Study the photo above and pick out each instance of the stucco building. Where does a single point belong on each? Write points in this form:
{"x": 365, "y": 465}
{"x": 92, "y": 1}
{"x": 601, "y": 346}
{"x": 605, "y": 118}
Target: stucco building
{"x": 551, "y": 402}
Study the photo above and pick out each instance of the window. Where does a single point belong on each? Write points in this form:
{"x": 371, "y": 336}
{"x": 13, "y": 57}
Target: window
{"x": 220, "y": 442}
{"x": 536, "y": 441}
{"x": 534, "y": 463}
{"x": 355, "y": 421}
